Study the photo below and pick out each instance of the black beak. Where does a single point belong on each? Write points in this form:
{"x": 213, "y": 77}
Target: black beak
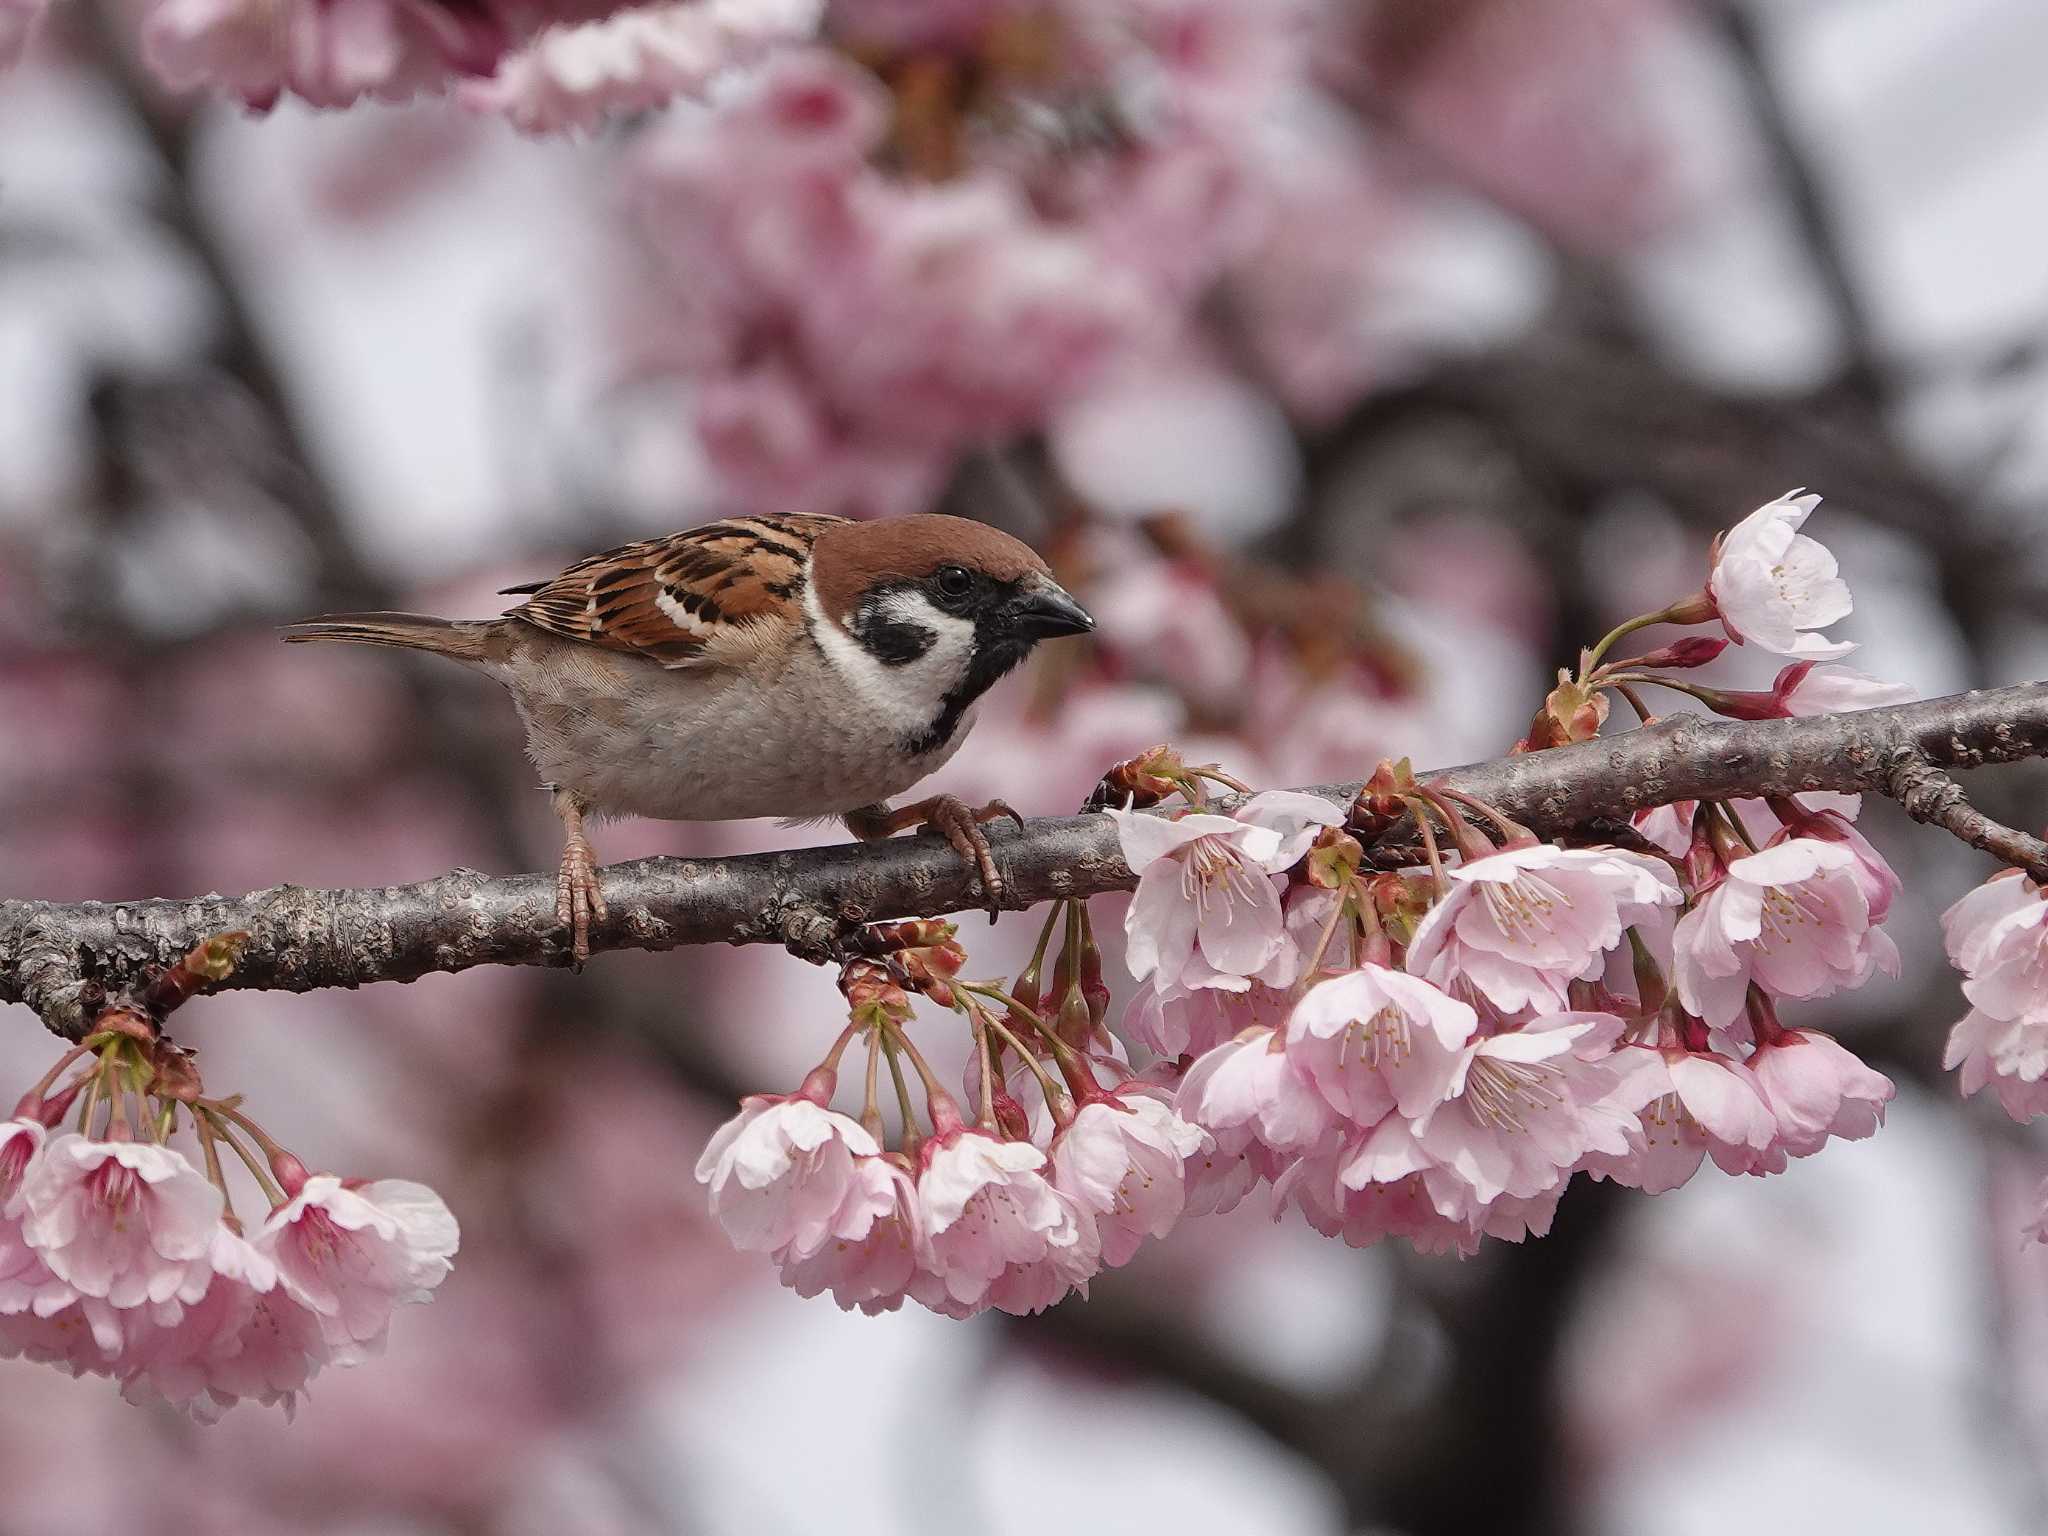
{"x": 1044, "y": 612}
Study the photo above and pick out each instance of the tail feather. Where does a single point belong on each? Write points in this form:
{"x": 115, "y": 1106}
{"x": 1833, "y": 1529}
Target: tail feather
{"x": 464, "y": 640}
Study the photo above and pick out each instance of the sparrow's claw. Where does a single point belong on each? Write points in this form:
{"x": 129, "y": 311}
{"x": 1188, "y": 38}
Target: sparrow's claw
{"x": 960, "y": 824}
{"x": 956, "y": 821}
{"x": 578, "y": 896}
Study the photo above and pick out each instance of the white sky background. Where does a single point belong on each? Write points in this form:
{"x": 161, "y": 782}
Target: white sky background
{"x": 1878, "y": 1408}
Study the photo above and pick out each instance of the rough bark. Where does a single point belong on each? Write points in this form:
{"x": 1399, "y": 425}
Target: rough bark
{"x": 304, "y": 939}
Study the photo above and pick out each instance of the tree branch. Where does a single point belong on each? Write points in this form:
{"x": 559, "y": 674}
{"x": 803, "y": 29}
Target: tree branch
{"x": 302, "y": 939}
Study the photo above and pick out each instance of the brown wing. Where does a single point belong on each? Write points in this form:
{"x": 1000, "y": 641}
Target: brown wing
{"x": 675, "y": 599}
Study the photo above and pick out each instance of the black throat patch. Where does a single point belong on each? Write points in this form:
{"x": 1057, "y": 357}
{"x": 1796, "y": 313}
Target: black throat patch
{"x": 997, "y": 649}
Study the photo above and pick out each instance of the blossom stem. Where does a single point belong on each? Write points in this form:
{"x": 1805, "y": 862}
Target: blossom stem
{"x": 831, "y": 1061}
{"x": 1315, "y": 960}
{"x": 1510, "y": 829}
{"x": 1031, "y": 978}
{"x": 925, "y": 1075}
{"x": 979, "y": 1025}
{"x": 911, "y": 1134}
{"x": 1056, "y": 1098}
{"x": 1635, "y": 701}
{"x": 1735, "y": 820}
{"x": 871, "y": 1110}
{"x": 1217, "y": 776}
{"x": 1471, "y": 842}
{"x": 50, "y": 1076}
{"x": 1429, "y": 849}
{"x": 210, "y": 1148}
{"x": 1378, "y": 948}
{"x": 261, "y": 1137}
{"x": 249, "y": 1159}
{"x": 1651, "y": 987}
{"x": 1623, "y": 630}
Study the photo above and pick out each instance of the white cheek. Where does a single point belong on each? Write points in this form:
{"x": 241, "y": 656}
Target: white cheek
{"x": 906, "y": 698}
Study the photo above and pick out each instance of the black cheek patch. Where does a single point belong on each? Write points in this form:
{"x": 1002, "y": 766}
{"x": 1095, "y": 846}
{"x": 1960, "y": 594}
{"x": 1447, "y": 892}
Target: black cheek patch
{"x": 891, "y": 641}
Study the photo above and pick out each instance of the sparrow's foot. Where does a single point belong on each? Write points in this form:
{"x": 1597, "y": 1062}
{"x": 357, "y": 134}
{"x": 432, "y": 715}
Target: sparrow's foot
{"x": 952, "y": 818}
{"x": 578, "y": 896}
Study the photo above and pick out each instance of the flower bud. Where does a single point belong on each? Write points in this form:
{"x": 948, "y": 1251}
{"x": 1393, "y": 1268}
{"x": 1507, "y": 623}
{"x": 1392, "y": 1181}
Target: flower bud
{"x": 1574, "y": 711}
{"x": 1333, "y": 859}
{"x": 1382, "y": 799}
{"x": 1692, "y": 651}
{"x": 1143, "y": 780}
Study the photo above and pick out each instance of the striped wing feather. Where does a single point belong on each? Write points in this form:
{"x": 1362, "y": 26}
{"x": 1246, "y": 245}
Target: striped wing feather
{"x": 674, "y": 599}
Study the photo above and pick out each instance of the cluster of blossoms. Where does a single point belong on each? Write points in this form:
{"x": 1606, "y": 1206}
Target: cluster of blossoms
{"x": 1425, "y": 1042}
{"x": 120, "y": 1258}
{"x": 1012, "y": 1209}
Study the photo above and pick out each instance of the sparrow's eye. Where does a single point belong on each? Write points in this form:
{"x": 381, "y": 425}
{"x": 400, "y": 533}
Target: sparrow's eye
{"x": 953, "y": 581}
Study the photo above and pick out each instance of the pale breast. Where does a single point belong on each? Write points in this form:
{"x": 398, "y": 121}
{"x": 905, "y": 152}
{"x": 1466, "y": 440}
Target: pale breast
{"x": 705, "y": 744}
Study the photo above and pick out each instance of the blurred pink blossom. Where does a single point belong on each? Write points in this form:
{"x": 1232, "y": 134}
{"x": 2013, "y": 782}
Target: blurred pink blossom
{"x": 332, "y": 53}
{"x": 574, "y": 77}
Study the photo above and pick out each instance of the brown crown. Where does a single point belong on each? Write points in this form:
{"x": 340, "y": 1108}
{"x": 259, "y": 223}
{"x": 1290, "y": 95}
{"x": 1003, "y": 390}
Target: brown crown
{"x": 854, "y": 558}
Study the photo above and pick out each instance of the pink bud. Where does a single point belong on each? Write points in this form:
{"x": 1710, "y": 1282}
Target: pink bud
{"x": 1692, "y": 651}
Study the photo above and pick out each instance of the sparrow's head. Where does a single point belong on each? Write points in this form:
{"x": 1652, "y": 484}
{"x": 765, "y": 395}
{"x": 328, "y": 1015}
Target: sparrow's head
{"x": 925, "y": 613}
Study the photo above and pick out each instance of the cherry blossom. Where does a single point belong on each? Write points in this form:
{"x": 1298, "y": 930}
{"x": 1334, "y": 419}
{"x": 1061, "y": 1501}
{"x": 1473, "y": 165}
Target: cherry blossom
{"x": 1364, "y": 1212}
{"x": 1816, "y": 1089}
{"x": 1518, "y": 925}
{"x": 351, "y": 1252}
{"x": 277, "y": 1352}
{"x": 1512, "y": 1114}
{"x": 1207, "y": 912}
{"x": 121, "y": 1221}
{"x": 875, "y": 1245}
{"x": 1121, "y": 1160}
{"x": 1795, "y": 918}
{"x": 2008, "y": 1056}
{"x": 781, "y": 1169}
{"x": 1001, "y": 1234}
{"x": 1693, "y": 1104}
{"x": 1809, "y": 688}
{"x": 573, "y": 77}
{"x": 26, "y": 1282}
{"x": 1254, "y": 1087}
{"x": 1771, "y": 584}
{"x": 173, "y": 1359}
{"x": 1352, "y": 1035}
{"x": 1997, "y": 936}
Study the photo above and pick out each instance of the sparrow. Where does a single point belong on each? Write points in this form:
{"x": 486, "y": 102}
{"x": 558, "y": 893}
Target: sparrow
{"x": 798, "y": 666}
